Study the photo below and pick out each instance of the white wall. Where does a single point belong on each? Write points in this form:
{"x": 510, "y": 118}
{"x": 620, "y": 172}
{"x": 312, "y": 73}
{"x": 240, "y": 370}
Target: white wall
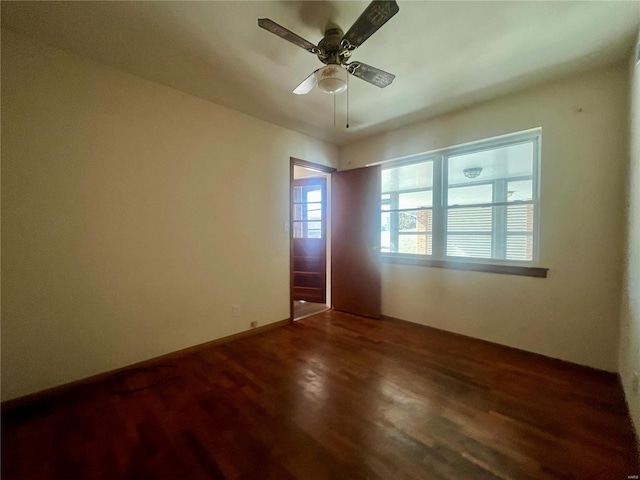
{"x": 630, "y": 313}
{"x": 574, "y": 313}
{"x": 133, "y": 217}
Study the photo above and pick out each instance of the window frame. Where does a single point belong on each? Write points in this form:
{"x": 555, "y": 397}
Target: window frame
{"x": 440, "y": 208}
{"x": 394, "y": 200}
{"x": 305, "y": 221}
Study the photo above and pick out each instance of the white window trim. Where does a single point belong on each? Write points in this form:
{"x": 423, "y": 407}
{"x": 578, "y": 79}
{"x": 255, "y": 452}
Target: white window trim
{"x": 440, "y": 157}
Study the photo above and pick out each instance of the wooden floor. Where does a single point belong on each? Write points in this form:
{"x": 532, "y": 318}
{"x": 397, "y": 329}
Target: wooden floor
{"x": 334, "y": 396}
{"x": 306, "y": 309}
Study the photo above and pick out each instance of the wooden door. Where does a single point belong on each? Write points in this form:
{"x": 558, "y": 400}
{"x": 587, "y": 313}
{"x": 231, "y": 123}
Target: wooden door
{"x": 355, "y": 241}
{"x": 309, "y": 240}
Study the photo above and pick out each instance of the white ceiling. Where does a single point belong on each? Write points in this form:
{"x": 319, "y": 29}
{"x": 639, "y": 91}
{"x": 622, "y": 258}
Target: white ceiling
{"x": 445, "y": 55}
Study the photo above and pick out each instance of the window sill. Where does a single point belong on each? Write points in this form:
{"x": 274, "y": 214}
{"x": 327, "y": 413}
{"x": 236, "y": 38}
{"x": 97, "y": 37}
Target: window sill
{"x": 462, "y": 265}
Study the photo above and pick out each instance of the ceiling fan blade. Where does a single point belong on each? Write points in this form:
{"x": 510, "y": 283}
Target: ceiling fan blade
{"x": 307, "y": 84}
{"x": 369, "y": 21}
{"x": 370, "y": 74}
{"x": 288, "y": 35}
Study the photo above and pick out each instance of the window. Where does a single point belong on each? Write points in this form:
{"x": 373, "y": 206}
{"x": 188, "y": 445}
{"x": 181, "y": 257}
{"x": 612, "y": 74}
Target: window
{"x": 477, "y": 203}
{"x": 308, "y": 208}
{"x": 407, "y": 208}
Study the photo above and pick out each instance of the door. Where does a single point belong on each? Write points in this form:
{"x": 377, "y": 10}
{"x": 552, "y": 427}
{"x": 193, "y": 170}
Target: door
{"x": 355, "y": 241}
{"x": 309, "y": 240}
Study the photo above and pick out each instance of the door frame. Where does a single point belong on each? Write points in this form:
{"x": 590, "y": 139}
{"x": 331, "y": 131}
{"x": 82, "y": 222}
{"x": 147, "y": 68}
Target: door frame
{"x": 293, "y": 162}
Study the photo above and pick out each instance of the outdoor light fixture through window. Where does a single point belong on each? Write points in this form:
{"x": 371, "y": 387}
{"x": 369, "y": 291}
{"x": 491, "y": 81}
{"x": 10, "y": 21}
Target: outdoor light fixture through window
{"x": 472, "y": 172}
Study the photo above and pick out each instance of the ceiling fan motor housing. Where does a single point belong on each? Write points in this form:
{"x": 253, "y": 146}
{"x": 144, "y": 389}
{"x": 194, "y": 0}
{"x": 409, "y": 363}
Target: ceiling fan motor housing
{"x": 331, "y": 48}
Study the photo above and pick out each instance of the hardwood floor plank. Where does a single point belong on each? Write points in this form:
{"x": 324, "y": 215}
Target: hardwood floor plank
{"x": 332, "y": 396}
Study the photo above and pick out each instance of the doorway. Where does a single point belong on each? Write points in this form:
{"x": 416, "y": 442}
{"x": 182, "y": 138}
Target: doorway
{"x": 310, "y": 235}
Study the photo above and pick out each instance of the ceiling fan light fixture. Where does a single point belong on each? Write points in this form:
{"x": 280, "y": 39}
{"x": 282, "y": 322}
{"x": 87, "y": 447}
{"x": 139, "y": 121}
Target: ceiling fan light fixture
{"x": 332, "y": 79}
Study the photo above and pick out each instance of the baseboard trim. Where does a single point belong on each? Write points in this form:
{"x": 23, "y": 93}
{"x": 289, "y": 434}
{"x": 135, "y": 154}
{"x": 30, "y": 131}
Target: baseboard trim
{"x": 634, "y": 427}
{"x": 33, "y": 398}
{"x": 428, "y": 327}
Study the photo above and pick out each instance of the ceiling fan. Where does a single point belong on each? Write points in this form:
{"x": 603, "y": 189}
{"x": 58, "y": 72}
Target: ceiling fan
{"x": 336, "y": 47}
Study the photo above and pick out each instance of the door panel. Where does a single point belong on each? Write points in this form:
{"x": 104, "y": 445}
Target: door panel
{"x": 355, "y": 241}
{"x": 309, "y": 240}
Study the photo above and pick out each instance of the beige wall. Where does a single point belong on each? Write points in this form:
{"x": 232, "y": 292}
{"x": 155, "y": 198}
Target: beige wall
{"x": 574, "y": 313}
{"x": 133, "y": 217}
{"x": 630, "y": 314}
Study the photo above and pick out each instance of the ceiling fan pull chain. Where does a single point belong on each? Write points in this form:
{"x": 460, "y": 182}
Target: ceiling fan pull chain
{"x": 347, "y": 101}
{"x": 334, "y": 109}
